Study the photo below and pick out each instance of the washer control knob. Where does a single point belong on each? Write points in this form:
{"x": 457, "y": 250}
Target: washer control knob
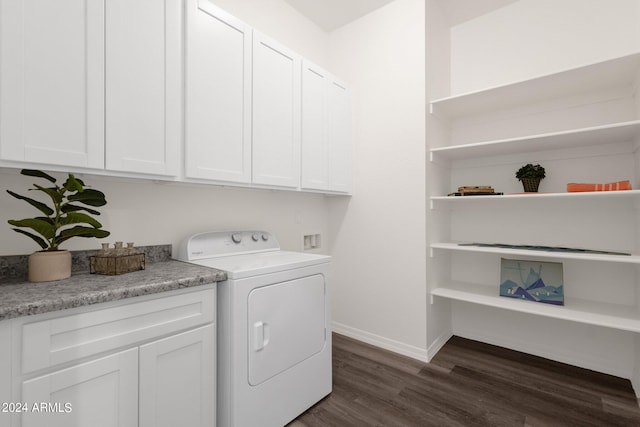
{"x": 265, "y": 237}
{"x": 236, "y": 237}
{"x": 255, "y": 237}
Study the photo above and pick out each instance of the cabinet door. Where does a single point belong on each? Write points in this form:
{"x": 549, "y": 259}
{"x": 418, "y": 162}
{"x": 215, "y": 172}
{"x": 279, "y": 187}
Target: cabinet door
{"x": 5, "y": 370}
{"x": 143, "y": 86}
{"x": 314, "y": 167}
{"x": 340, "y": 149}
{"x": 52, "y": 82}
{"x": 102, "y": 392}
{"x": 177, "y": 380}
{"x": 218, "y": 95}
{"x": 276, "y": 114}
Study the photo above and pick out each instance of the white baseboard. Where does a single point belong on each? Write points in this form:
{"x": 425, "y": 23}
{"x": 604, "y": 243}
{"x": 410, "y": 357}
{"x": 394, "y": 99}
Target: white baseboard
{"x": 635, "y": 378}
{"x": 437, "y": 344}
{"x": 382, "y": 342}
{"x": 635, "y": 383}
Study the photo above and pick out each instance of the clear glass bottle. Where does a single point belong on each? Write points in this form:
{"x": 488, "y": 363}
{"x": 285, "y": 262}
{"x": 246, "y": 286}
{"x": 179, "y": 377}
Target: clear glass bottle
{"x": 105, "y": 251}
{"x": 119, "y": 251}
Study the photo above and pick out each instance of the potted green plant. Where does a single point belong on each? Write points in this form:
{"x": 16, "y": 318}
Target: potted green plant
{"x": 530, "y": 175}
{"x": 69, "y": 215}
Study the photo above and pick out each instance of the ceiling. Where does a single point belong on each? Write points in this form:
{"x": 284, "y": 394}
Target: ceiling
{"x": 332, "y": 14}
{"x": 459, "y": 11}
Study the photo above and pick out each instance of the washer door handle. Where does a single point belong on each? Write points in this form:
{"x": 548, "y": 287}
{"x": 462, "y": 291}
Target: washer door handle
{"x": 260, "y": 335}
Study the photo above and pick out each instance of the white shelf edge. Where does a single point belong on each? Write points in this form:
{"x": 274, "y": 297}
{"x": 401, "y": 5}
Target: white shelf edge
{"x": 623, "y": 130}
{"x": 578, "y": 195}
{"x": 625, "y": 259}
{"x": 615, "y": 316}
{"x": 494, "y": 97}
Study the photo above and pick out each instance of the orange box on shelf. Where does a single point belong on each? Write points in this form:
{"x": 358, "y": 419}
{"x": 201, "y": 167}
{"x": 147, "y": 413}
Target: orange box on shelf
{"x": 612, "y": 186}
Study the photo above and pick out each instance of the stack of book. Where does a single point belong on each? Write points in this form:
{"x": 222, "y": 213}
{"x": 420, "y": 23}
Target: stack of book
{"x": 478, "y": 190}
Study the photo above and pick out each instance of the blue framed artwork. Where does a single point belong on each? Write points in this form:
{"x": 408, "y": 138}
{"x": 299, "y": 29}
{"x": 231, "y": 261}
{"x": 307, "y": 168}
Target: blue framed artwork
{"x": 532, "y": 281}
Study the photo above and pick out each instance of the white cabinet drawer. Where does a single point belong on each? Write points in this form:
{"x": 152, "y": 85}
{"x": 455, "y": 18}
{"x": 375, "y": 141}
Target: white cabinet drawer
{"x": 63, "y": 339}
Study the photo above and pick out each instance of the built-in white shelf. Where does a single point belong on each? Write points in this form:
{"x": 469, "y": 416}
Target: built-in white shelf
{"x": 619, "y": 73}
{"x": 598, "y": 195}
{"x": 608, "y": 315}
{"x": 625, "y": 259}
{"x": 583, "y": 137}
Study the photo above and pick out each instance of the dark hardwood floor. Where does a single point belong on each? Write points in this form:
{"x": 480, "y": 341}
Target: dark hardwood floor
{"x": 467, "y": 384}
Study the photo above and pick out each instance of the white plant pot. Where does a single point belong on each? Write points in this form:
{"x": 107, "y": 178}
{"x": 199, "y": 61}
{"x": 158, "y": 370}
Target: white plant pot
{"x": 47, "y": 266}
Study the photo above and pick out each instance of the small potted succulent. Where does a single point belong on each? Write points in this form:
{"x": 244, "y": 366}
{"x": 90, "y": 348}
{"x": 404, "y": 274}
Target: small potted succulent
{"x": 530, "y": 175}
{"x": 68, "y": 216}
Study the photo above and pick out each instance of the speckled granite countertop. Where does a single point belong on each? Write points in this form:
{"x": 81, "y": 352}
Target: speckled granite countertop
{"x": 25, "y": 298}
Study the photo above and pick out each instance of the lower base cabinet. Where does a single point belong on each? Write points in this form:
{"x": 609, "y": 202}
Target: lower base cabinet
{"x": 147, "y": 361}
{"x": 177, "y": 380}
{"x": 103, "y": 392}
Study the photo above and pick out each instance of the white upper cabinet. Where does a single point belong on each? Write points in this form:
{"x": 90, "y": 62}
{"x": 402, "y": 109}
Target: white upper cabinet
{"x": 126, "y": 87}
{"x": 52, "y": 82}
{"x": 276, "y": 114}
{"x": 83, "y": 78}
{"x": 218, "y": 95}
{"x": 340, "y": 147}
{"x": 315, "y": 150}
{"x": 143, "y": 85}
{"x": 326, "y": 132}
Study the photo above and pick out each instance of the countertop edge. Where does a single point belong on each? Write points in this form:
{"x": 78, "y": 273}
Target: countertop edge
{"x": 26, "y": 299}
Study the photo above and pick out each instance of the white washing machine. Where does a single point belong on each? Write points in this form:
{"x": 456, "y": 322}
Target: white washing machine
{"x": 274, "y": 332}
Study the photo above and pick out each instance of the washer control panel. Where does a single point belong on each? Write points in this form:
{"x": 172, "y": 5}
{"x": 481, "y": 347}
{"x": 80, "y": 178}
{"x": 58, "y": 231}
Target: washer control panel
{"x": 221, "y": 243}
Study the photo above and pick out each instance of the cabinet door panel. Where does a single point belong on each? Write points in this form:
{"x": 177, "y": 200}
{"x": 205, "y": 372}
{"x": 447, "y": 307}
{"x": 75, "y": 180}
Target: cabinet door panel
{"x": 218, "y": 95}
{"x": 143, "y": 86}
{"x": 276, "y": 114}
{"x": 103, "y": 392}
{"x": 5, "y": 370}
{"x": 66, "y": 338}
{"x": 177, "y": 380}
{"x": 51, "y": 81}
{"x": 314, "y": 128}
{"x": 340, "y": 149}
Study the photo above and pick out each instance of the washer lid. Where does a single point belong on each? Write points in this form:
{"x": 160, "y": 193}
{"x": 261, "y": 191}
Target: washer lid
{"x": 248, "y": 265}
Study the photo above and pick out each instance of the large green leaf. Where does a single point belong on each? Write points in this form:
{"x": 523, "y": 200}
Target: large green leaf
{"x": 80, "y": 231}
{"x": 39, "y": 240}
{"x": 38, "y": 205}
{"x": 73, "y": 184}
{"x": 79, "y": 218}
{"x": 37, "y": 173}
{"x": 74, "y": 208}
{"x": 89, "y": 197}
{"x": 52, "y": 192}
{"x": 40, "y": 225}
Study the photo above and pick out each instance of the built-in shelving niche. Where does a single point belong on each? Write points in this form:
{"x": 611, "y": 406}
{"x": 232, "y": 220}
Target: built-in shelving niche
{"x": 583, "y": 125}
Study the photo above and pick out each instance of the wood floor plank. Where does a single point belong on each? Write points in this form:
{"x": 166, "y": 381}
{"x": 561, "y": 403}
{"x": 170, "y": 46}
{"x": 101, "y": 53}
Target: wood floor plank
{"x": 467, "y": 384}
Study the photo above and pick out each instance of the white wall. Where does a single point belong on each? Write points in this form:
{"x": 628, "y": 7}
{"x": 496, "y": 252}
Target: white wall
{"x": 536, "y": 37}
{"x": 378, "y": 236}
{"x": 438, "y": 75}
{"x": 149, "y": 213}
